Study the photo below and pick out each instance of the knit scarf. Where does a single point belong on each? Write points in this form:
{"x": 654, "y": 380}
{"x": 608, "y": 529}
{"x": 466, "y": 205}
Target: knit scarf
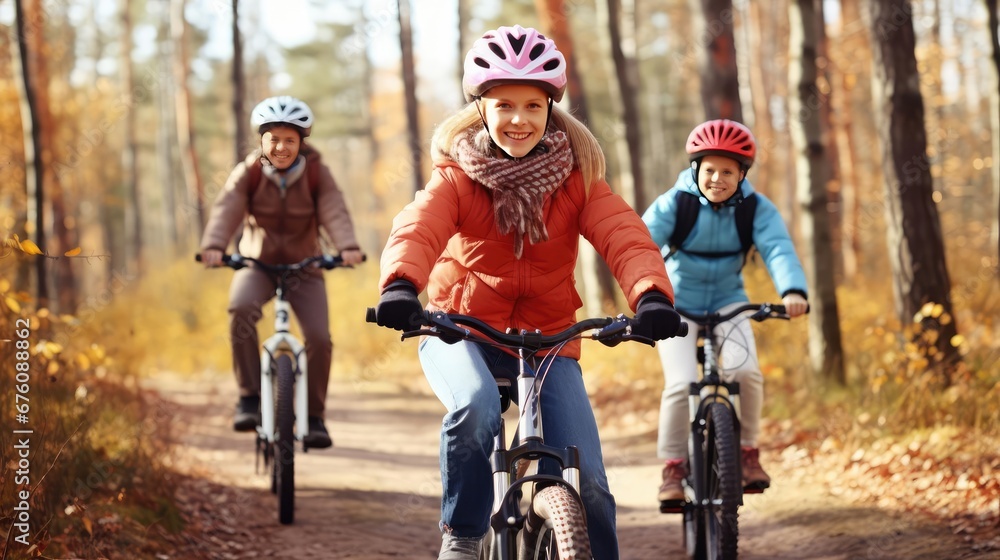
{"x": 518, "y": 186}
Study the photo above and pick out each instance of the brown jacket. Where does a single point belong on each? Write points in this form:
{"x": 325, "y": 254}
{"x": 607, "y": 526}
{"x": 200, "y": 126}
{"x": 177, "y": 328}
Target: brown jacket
{"x": 279, "y": 229}
{"x": 446, "y": 241}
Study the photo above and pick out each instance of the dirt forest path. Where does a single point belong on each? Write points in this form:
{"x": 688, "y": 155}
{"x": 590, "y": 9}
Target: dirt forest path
{"x": 375, "y": 495}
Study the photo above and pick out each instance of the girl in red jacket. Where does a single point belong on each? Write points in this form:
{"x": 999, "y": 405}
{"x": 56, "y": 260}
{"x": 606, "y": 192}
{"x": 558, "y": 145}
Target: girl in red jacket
{"x": 495, "y": 235}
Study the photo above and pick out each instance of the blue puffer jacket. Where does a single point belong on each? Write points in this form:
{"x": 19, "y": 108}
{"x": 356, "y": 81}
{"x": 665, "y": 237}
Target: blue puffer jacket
{"x": 705, "y": 284}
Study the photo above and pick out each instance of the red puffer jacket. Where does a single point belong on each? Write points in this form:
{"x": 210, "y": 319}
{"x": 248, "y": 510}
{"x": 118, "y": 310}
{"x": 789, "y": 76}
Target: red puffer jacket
{"x": 446, "y": 240}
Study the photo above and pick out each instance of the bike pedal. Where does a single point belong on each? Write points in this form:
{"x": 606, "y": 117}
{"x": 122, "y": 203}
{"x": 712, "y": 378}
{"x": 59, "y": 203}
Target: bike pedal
{"x": 672, "y": 506}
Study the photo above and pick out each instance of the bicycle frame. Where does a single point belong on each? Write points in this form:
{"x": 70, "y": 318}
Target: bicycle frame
{"x": 507, "y": 518}
{"x": 282, "y": 342}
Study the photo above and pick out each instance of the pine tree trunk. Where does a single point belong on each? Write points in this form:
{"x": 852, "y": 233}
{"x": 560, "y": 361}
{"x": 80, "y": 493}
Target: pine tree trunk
{"x": 164, "y": 134}
{"x": 994, "y": 22}
{"x": 555, "y": 25}
{"x": 185, "y": 132}
{"x": 34, "y": 169}
{"x": 921, "y": 284}
{"x": 720, "y": 93}
{"x": 242, "y": 144}
{"x": 130, "y": 152}
{"x": 826, "y": 353}
{"x": 627, "y": 74}
{"x": 410, "y": 93}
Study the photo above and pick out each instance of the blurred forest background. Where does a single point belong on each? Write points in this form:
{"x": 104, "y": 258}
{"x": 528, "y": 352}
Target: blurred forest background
{"x": 878, "y": 124}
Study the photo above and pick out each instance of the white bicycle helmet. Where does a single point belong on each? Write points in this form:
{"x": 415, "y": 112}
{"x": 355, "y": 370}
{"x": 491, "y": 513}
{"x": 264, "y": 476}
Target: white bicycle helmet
{"x": 282, "y": 109}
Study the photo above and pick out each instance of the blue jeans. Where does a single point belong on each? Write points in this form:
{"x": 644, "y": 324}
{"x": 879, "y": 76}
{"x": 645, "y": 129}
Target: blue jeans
{"x": 462, "y": 377}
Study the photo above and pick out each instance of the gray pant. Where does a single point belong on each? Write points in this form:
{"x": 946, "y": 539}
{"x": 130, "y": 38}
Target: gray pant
{"x": 306, "y": 292}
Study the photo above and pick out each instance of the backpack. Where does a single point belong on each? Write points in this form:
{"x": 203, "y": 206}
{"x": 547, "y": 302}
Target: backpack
{"x": 688, "y": 207}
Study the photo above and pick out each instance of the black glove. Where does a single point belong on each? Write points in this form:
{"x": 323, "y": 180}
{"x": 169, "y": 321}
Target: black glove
{"x": 398, "y": 307}
{"x": 655, "y": 317}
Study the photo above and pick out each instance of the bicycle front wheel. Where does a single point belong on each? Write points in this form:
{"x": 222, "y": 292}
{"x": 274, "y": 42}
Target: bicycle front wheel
{"x": 724, "y": 485}
{"x": 562, "y": 532}
{"x": 284, "y": 453}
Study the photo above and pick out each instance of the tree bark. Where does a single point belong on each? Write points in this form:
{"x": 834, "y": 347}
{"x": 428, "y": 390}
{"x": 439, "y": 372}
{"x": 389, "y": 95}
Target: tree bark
{"x": 165, "y": 137}
{"x": 720, "y": 91}
{"x": 627, "y": 73}
{"x": 826, "y": 352}
{"x": 596, "y": 274}
{"x": 555, "y": 25}
{"x": 463, "y": 27}
{"x": 130, "y": 152}
{"x": 410, "y": 94}
{"x": 760, "y": 96}
{"x": 185, "y": 131}
{"x": 994, "y": 23}
{"x": 34, "y": 170}
{"x": 242, "y": 144}
{"x": 916, "y": 247}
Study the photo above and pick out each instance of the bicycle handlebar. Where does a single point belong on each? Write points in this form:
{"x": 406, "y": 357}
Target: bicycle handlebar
{"x": 607, "y": 330}
{"x": 763, "y": 311}
{"x": 326, "y": 262}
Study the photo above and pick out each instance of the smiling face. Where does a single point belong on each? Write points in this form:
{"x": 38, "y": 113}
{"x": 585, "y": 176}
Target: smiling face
{"x": 718, "y": 178}
{"x": 516, "y": 115}
{"x": 280, "y": 145}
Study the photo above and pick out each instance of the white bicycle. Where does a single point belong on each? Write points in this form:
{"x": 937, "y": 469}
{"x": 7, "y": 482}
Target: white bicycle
{"x": 283, "y": 385}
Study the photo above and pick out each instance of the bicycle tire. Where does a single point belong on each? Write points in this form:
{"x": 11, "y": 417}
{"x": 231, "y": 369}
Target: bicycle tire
{"x": 563, "y": 534}
{"x": 284, "y": 460}
{"x": 721, "y": 520}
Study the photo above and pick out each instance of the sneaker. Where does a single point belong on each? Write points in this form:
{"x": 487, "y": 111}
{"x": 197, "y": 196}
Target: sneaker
{"x": 247, "y": 416}
{"x": 754, "y": 477}
{"x": 674, "y": 472}
{"x": 318, "y": 437}
{"x": 460, "y": 548}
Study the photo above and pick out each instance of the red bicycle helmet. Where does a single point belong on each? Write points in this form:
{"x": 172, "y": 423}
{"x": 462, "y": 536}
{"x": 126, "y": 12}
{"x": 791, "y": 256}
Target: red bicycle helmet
{"x": 722, "y": 137}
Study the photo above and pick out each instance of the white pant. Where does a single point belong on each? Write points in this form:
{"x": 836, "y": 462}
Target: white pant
{"x": 738, "y": 360}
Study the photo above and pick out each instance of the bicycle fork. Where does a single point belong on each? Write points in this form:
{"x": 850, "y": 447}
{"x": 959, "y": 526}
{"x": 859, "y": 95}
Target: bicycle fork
{"x": 711, "y": 388}
{"x": 507, "y": 519}
{"x": 282, "y": 342}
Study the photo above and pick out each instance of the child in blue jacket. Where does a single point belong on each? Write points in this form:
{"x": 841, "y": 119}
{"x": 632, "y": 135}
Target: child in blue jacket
{"x": 705, "y": 271}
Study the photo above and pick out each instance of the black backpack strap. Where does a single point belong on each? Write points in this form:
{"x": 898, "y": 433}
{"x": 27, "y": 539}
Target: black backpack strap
{"x": 688, "y": 207}
{"x": 744, "y": 222}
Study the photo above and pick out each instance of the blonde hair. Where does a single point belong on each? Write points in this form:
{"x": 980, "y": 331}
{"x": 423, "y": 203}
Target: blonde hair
{"x": 587, "y": 154}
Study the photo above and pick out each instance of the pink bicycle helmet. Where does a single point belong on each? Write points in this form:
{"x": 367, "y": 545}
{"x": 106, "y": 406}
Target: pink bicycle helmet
{"x": 722, "y": 137}
{"x": 514, "y": 55}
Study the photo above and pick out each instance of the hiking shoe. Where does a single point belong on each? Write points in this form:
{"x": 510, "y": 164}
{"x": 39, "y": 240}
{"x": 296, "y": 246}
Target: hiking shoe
{"x": 459, "y": 548}
{"x": 674, "y": 472}
{"x": 318, "y": 437}
{"x": 754, "y": 477}
{"x": 247, "y": 416}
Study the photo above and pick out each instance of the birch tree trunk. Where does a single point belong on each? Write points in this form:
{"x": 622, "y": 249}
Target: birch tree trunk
{"x": 921, "y": 285}
{"x": 410, "y": 93}
{"x": 826, "y": 354}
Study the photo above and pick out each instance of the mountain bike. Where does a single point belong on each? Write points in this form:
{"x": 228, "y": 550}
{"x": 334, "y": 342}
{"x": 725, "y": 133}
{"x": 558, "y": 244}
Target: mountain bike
{"x": 283, "y": 384}
{"x": 534, "y": 516}
{"x": 714, "y": 488}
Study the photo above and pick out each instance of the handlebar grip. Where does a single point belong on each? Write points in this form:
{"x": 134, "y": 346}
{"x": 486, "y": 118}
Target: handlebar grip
{"x": 682, "y": 330}
{"x": 197, "y": 257}
{"x": 370, "y": 315}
